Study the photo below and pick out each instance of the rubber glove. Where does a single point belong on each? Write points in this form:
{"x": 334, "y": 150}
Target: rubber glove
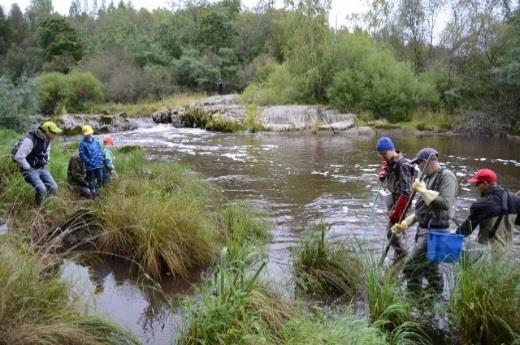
{"x": 404, "y": 225}
{"x": 426, "y": 194}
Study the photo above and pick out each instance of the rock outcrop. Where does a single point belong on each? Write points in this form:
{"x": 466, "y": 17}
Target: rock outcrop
{"x": 71, "y": 123}
{"x": 227, "y": 112}
{"x": 301, "y": 117}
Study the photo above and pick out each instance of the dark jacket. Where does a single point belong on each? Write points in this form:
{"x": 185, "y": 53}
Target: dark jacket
{"x": 485, "y": 212}
{"x": 76, "y": 172}
{"x": 91, "y": 153}
{"x": 33, "y": 151}
{"x": 438, "y": 213}
{"x": 398, "y": 180}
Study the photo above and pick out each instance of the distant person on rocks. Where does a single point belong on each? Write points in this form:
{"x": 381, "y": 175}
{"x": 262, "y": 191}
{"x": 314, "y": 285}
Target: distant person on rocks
{"x": 91, "y": 153}
{"x": 220, "y": 86}
{"x": 32, "y": 155}
{"x": 495, "y": 213}
{"x": 76, "y": 177}
{"x": 109, "y": 170}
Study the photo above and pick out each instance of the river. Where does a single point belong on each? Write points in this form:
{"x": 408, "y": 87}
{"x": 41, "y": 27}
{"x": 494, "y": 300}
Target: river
{"x": 295, "y": 179}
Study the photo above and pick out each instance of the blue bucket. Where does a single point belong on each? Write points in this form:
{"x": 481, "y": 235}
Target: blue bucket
{"x": 444, "y": 246}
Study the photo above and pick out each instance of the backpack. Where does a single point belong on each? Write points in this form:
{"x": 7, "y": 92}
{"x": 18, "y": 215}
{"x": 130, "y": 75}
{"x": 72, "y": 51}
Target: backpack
{"x": 18, "y": 144}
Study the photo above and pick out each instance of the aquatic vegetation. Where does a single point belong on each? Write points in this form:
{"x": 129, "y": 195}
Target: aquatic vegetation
{"x": 345, "y": 329}
{"x": 244, "y": 230}
{"x": 35, "y": 307}
{"x": 485, "y": 302}
{"x": 390, "y": 309}
{"x": 195, "y": 116}
{"x": 326, "y": 269}
{"x": 233, "y": 309}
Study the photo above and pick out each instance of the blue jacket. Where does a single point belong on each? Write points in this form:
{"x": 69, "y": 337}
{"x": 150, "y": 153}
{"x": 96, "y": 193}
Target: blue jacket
{"x": 91, "y": 153}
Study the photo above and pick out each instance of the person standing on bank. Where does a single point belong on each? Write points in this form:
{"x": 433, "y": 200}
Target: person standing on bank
{"x": 397, "y": 175}
{"x": 32, "y": 155}
{"x": 220, "y": 86}
{"x": 91, "y": 153}
{"x": 494, "y": 212}
{"x": 437, "y": 195}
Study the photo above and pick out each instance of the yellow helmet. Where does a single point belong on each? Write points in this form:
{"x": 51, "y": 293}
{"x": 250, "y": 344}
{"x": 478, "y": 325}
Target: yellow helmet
{"x": 87, "y": 130}
{"x": 51, "y": 127}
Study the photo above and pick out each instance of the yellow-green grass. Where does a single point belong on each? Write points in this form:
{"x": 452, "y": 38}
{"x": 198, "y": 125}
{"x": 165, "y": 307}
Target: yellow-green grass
{"x": 326, "y": 269}
{"x": 147, "y": 108}
{"x": 485, "y": 302}
{"x": 35, "y": 307}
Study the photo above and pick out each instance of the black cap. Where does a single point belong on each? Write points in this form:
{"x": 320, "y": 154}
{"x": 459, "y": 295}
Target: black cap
{"x": 424, "y": 154}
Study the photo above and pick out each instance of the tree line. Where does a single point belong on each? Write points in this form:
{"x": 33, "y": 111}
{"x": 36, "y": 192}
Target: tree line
{"x": 401, "y": 59}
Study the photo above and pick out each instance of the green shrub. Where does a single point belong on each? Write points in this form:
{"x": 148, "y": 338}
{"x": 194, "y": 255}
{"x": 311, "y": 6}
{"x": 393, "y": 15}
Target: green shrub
{"x": 75, "y": 92}
{"x": 251, "y": 121}
{"x": 377, "y": 83}
{"x": 17, "y": 102}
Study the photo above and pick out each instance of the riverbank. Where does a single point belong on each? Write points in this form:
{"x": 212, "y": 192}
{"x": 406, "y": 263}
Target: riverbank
{"x": 229, "y": 113}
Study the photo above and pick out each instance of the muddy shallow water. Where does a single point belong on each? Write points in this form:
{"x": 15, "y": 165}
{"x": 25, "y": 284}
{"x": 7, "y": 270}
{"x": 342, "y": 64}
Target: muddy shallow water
{"x": 296, "y": 179}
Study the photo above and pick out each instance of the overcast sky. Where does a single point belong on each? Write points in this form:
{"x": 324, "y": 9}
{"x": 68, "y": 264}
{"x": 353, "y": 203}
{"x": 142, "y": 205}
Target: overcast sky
{"x": 340, "y": 8}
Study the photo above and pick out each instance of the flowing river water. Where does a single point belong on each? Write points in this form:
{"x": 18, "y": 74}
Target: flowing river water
{"x": 295, "y": 179}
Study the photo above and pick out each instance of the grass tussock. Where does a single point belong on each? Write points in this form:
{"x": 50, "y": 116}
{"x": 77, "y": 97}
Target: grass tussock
{"x": 195, "y": 116}
{"x": 35, "y": 307}
{"x": 485, "y": 302}
{"x": 233, "y": 309}
{"x": 390, "y": 309}
{"x": 345, "y": 329}
{"x": 326, "y": 269}
{"x": 147, "y": 108}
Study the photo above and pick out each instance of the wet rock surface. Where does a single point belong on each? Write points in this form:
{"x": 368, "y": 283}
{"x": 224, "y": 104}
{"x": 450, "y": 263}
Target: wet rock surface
{"x": 71, "y": 123}
{"x": 229, "y": 109}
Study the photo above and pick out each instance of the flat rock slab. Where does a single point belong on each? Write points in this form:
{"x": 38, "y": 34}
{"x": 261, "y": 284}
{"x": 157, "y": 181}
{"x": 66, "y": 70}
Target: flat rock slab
{"x": 301, "y": 117}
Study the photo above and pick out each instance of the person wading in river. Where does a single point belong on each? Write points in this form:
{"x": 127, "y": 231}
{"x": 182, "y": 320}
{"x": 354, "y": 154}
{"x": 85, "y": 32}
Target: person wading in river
{"x": 397, "y": 175}
{"x": 494, "y": 212}
{"x": 432, "y": 211}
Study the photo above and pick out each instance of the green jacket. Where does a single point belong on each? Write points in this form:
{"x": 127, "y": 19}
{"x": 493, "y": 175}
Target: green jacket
{"x": 438, "y": 213}
{"x": 76, "y": 172}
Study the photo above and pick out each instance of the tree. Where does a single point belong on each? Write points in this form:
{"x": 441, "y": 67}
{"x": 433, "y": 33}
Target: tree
{"x": 412, "y": 19}
{"x": 60, "y": 42}
{"x": 38, "y": 11}
{"x": 215, "y": 30}
{"x": 4, "y": 33}
{"x": 18, "y": 26}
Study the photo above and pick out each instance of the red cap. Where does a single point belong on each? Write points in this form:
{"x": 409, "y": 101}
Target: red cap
{"x": 484, "y": 175}
{"x": 107, "y": 139}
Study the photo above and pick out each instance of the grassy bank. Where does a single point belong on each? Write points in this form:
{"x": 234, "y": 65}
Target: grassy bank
{"x": 35, "y": 307}
{"x": 161, "y": 216}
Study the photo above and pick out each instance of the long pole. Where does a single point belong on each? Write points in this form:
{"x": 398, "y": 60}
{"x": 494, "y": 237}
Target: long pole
{"x": 421, "y": 177}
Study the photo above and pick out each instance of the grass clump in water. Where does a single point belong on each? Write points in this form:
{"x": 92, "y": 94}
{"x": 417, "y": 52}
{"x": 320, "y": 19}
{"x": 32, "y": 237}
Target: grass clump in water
{"x": 345, "y": 329}
{"x": 485, "y": 302}
{"x": 326, "y": 269}
{"x": 35, "y": 307}
{"x": 233, "y": 309}
{"x": 389, "y": 307}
